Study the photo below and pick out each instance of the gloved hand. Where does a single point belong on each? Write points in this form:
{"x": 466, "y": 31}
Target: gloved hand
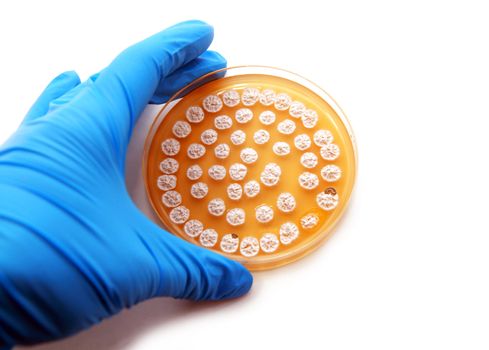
{"x": 74, "y": 249}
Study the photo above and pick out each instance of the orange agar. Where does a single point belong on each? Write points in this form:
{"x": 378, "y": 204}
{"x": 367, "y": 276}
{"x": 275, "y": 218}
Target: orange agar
{"x": 301, "y": 132}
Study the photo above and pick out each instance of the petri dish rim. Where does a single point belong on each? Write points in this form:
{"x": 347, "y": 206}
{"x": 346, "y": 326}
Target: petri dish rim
{"x": 262, "y": 262}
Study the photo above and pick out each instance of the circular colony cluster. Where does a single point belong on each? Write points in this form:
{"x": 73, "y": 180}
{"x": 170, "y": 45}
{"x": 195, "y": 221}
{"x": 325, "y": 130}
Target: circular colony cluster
{"x": 242, "y": 188}
{"x": 235, "y": 191}
{"x": 281, "y": 148}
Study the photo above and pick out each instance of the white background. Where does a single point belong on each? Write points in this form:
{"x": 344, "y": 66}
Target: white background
{"x": 408, "y": 266}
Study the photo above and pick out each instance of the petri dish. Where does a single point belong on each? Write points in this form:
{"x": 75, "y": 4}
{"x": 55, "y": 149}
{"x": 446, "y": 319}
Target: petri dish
{"x": 255, "y": 163}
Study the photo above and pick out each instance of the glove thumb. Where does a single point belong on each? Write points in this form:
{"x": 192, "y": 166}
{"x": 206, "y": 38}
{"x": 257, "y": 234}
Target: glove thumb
{"x": 187, "y": 271}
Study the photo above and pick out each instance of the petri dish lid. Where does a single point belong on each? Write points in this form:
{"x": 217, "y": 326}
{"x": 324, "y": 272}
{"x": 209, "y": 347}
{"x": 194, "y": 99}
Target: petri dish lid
{"x": 255, "y": 163}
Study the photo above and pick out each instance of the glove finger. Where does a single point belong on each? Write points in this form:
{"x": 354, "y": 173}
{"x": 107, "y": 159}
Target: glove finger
{"x": 70, "y": 94}
{"x": 208, "y": 62}
{"x": 125, "y": 87}
{"x": 57, "y": 87}
{"x": 186, "y": 271}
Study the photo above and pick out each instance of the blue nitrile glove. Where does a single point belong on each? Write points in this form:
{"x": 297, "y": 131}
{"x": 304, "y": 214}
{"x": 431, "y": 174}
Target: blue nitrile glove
{"x": 74, "y": 249}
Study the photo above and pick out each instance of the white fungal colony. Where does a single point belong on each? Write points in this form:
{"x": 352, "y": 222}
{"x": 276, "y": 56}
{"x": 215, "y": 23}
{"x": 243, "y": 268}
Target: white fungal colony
{"x": 199, "y": 190}
{"x": 170, "y": 147}
{"x": 281, "y": 148}
{"x": 216, "y": 206}
{"x": 252, "y": 188}
{"x": 250, "y": 96}
{"x": 230, "y": 243}
{"x": 267, "y": 97}
{"x": 273, "y": 169}
{"x": 297, "y": 109}
{"x": 270, "y": 176}
{"x": 302, "y": 142}
{"x": 223, "y": 122}
{"x": 309, "y": 221}
{"x": 269, "y": 242}
{"x": 331, "y": 173}
{"x": 282, "y": 101}
{"x": 195, "y": 151}
{"x": 235, "y": 191}
{"x": 169, "y": 166}
{"x": 231, "y": 98}
{"x": 248, "y": 155}
{"x": 194, "y": 172}
{"x": 249, "y": 247}
{"x": 194, "y": 114}
{"x": 286, "y": 202}
{"x": 181, "y": 129}
{"x": 179, "y": 215}
{"x": 222, "y": 150}
{"x": 166, "y": 182}
{"x": 308, "y": 180}
{"x": 171, "y": 199}
{"x": 237, "y": 171}
{"x": 286, "y": 127}
{"x": 193, "y": 228}
{"x": 212, "y": 103}
{"x": 267, "y": 117}
{"x": 235, "y": 217}
{"x": 217, "y": 172}
{"x": 238, "y": 137}
{"x": 243, "y": 115}
{"x": 288, "y": 233}
{"x": 264, "y": 213}
{"x": 322, "y": 137}
{"x": 330, "y": 152}
{"x": 309, "y": 118}
{"x": 208, "y": 137}
{"x": 309, "y": 160}
{"x": 261, "y": 137}
{"x": 327, "y": 200}
{"x": 208, "y": 238}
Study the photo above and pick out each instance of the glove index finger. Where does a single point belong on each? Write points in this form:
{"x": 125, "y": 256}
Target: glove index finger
{"x": 131, "y": 79}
